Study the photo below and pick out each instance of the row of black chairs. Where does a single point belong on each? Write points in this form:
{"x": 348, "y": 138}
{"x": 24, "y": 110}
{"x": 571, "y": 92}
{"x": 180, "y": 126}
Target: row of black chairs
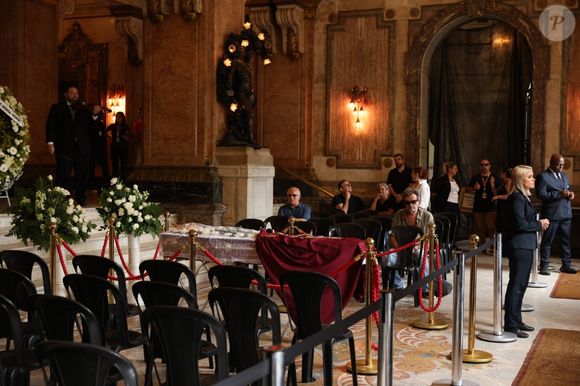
{"x": 104, "y": 324}
{"x": 359, "y": 225}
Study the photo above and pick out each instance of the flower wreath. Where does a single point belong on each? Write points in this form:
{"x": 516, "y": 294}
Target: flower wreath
{"x": 14, "y": 137}
{"x": 130, "y": 210}
{"x": 46, "y": 204}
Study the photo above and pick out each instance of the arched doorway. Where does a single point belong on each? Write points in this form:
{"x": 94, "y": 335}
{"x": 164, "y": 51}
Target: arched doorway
{"x": 426, "y": 43}
{"x": 479, "y": 98}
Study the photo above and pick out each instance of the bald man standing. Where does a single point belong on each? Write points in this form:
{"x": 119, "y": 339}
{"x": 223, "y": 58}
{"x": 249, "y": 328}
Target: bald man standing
{"x": 553, "y": 188}
{"x": 294, "y": 208}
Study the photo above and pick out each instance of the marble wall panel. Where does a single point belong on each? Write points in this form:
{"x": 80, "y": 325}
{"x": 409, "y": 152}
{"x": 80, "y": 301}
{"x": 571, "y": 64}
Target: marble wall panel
{"x": 171, "y": 85}
{"x": 360, "y": 52}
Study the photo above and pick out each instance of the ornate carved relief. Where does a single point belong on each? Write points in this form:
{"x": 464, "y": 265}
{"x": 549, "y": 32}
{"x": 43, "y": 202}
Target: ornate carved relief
{"x": 291, "y": 20}
{"x": 188, "y": 9}
{"x": 261, "y": 18}
{"x": 76, "y": 45}
{"x": 65, "y": 7}
{"x": 133, "y": 29}
{"x": 431, "y": 33}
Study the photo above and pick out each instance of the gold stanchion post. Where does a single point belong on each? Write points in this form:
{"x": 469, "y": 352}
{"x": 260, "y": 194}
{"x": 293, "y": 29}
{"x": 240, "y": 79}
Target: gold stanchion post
{"x": 166, "y": 215}
{"x": 112, "y": 239}
{"x": 431, "y": 323}
{"x": 52, "y": 251}
{"x": 291, "y": 229}
{"x": 367, "y": 366}
{"x": 192, "y": 249}
{"x": 471, "y": 355}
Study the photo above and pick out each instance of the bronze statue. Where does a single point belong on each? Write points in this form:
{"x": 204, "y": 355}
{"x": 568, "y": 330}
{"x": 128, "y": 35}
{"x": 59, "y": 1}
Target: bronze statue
{"x": 234, "y": 84}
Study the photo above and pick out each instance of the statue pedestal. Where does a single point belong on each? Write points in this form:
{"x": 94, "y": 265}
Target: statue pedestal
{"x": 248, "y": 182}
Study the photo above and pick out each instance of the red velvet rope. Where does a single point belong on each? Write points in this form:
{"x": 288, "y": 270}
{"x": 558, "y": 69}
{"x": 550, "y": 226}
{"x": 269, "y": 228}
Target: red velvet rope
{"x": 61, "y": 258}
{"x": 157, "y": 250}
{"x": 375, "y": 290}
{"x": 104, "y": 244}
{"x": 127, "y": 269}
{"x": 399, "y": 249}
{"x": 176, "y": 253}
{"x": 68, "y": 248}
{"x": 439, "y": 279}
{"x": 209, "y": 254}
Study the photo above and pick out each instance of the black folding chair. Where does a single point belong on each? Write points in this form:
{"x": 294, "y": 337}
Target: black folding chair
{"x": 86, "y": 364}
{"x": 307, "y": 289}
{"x": 178, "y": 332}
{"x": 24, "y": 262}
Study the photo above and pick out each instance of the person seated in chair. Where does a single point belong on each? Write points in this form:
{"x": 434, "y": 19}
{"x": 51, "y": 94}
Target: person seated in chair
{"x": 383, "y": 202}
{"x": 413, "y": 215}
{"x": 346, "y": 201}
{"x": 294, "y": 208}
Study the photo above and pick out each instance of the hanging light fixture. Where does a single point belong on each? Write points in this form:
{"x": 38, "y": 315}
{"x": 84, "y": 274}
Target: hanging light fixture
{"x": 356, "y": 105}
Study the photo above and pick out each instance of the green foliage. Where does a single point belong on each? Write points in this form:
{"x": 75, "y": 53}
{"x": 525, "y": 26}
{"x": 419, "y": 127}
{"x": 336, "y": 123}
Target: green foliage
{"x": 42, "y": 206}
{"x": 130, "y": 210}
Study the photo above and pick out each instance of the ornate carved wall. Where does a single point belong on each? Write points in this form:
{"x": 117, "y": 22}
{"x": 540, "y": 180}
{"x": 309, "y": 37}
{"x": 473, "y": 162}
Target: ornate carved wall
{"x": 360, "y": 52}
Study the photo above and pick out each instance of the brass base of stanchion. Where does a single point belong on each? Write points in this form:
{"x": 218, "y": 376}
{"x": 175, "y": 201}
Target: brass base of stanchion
{"x": 430, "y": 325}
{"x": 477, "y": 356}
{"x": 504, "y": 337}
{"x": 363, "y": 368}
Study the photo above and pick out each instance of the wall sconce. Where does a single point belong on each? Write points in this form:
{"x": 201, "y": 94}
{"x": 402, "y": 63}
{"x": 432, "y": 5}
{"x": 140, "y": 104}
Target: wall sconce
{"x": 356, "y": 105}
{"x": 116, "y": 100}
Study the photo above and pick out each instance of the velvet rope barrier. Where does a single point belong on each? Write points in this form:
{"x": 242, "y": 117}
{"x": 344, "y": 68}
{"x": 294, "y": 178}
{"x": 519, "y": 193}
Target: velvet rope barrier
{"x": 131, "y": 276}
{"x": 68, "y": 248}
{"x": 105, "y": 244}
{"x": 376, "y": 289}
{"x": 61, "y": 258}
{"x": 439, "y": 279}
{"x": 156, "y": 254}
{"x": 399, "y": 249}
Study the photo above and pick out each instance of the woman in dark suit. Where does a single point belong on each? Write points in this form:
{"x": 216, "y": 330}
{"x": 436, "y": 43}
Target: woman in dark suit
{"x": 445, "y": 190}
{"x": 522, "y": 241}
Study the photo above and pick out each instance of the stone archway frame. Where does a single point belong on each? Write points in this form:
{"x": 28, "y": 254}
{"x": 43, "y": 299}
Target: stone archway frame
{"x": 418, "y": 59}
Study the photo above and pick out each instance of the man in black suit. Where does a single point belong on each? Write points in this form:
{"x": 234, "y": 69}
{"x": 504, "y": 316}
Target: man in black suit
{"x": 553, "y": 188}
{"x": 68, "y": 138}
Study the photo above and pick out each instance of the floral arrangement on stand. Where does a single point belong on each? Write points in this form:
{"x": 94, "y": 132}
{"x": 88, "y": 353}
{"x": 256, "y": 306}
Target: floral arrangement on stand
{"x": 14, "y": 136}
{"x": 133, "y": 214}
{"x": 46, "y": 204}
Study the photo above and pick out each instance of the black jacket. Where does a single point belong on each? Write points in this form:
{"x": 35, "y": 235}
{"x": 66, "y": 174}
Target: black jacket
{"x": 68, "y": 135}
{"x": 548, "y": 187}
{"x": 440, "y": 189}
{"x": 523, "y": 223}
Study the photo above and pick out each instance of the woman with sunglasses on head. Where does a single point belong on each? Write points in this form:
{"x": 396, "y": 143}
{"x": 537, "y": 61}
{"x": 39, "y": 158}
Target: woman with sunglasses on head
{"x": 521, "y": 239}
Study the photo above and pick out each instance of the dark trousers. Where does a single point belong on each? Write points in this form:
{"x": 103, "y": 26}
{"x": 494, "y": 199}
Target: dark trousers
{"x": 563, "y": 228}
{"x": 120, "y": 156}
{"x": 80, "y": 165}
{"x": 99, "y": 158}
{"x": 520, "y": 267}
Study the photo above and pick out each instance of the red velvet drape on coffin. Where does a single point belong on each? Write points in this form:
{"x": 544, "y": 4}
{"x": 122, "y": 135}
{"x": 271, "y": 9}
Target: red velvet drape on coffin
{"x": 280, "y": 253}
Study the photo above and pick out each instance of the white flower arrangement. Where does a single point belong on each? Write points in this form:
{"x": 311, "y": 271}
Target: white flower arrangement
{"x": 36, "y": 210}
{"x": 130, "y": 210}
{"x": 14, "y": 138}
